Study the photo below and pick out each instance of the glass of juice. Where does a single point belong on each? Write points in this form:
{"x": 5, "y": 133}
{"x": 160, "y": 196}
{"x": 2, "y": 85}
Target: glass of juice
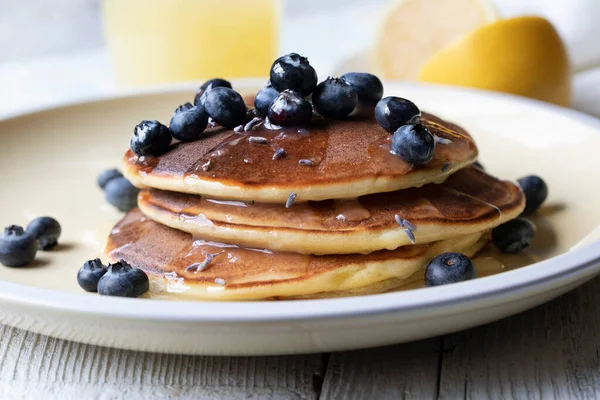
{"x": 160, "y": 41}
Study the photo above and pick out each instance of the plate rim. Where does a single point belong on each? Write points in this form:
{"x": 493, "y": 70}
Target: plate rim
{"x": 575, "y": 263}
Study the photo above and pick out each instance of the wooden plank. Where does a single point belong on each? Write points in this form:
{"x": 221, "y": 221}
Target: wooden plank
{"x": 35, "y": 366}
{"x": 551, "y": 351}
{"x": 393, "y": 372}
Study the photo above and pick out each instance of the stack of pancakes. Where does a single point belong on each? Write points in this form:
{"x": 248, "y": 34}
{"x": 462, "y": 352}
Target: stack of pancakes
{"x": 334, "y": 213}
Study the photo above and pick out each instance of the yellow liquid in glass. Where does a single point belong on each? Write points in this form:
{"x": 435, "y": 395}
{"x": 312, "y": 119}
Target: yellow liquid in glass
{"x": 160, "y": 41}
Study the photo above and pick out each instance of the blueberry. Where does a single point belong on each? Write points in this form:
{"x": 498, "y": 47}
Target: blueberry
{"x": 123, "y": 280}
{"x": 90, "y": 273}
{"x": 535, "y": 190}
{"x": 449, "y": 268}
{"x": 263, "y": 100}
{"x": 120, "y": 193}
{"x": 293, "y": 72}
{"x": 150, "y": 138}
{"x": 206, "y": 87}
{"x": 393, "y": 112}
{"x": 188, "y": 124}
{"x": 183, "y": 107}
{"x": 334, "y": 98}
{"x": 17, "y": 247}
{"x": 290, "y": 108}
{"x": 513, "y": 236}
{"x": 226, "y": 107}
{"x": 215, "y": 82}
{"x": 368, "y": 87}
{"x": 106, "y": 176}
{"x": 46, "y": 230}
{"x": 414, "y": 144}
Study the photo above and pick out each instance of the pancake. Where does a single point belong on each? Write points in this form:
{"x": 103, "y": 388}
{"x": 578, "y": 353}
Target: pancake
{"x": 350, "y": 158}
{"x": 385, "y": 286}
{"x": 469, "y": 201}
{"x": 253, "y": 274}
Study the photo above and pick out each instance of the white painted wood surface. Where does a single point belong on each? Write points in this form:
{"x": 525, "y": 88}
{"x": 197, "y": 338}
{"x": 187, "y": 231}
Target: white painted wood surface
{"x": 38, "y": 367}
{"x": 552, "y": 351}
{"x": 393, "y": 372}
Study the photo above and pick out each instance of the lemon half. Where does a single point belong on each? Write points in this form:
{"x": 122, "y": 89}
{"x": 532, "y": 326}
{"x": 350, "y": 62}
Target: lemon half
{"x": 523, "y": 56}
{"x": 412, "y": 31}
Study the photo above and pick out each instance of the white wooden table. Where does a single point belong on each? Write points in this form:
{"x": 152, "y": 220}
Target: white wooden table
{"x": 552, "y": 351}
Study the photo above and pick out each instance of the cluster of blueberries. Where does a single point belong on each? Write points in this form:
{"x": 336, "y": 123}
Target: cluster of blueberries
{"x": 215, "y": 102}
{"x": 511, "y": 237}
{"x": 19, "y": 246}
{"x": 118, "y": 279}
{"x": 289, "y": 99}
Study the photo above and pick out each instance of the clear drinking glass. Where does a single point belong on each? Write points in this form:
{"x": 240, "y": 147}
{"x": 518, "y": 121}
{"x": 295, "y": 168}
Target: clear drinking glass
{"x": 160, "y": 41}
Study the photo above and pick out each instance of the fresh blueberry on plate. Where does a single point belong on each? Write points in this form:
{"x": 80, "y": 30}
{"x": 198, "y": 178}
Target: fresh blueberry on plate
{"x": 513, "y": 236}
{"x": 393, "y": 112}
{"x": 90, "y": 273}
{"x": 449, "y": 268}
{"x": 106, "y": 176}
{"x": 189, "y": 124}
{"x": 263, "y": 100}
{"x": 535, "y": 190}
{"x": 123, "y": 280}
{"x": 150, "y": 138}
{"x": 290, "y": 109}
{"x": 368, "y": 87}
{"x": 120, "y": 193}
{"x": 226, "y": 107}
{"x": 334, "y": 98}
{"x": 183, "y": 107}
{"x": 17, "y": 247}
{"x": 206, "y": 87}
{"x": 215, "y": 82}
{"x": 414, "y": 144}
{"x": 46, "y": 230}
{"x": 293, "y": 72}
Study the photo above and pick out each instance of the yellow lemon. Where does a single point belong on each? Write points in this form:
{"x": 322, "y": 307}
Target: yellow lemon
{"x": 414, "y": 30}
{"x": 523, "y": 56}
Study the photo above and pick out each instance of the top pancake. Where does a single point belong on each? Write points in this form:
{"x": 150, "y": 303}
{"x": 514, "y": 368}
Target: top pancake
{"x": 350, "y": 158}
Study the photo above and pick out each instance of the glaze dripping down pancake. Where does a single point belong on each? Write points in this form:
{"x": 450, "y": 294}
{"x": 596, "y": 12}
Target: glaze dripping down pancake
{"x": 252, "y": 274}
{"x": 468, "y": 201}
{"x": 350, "y": 158}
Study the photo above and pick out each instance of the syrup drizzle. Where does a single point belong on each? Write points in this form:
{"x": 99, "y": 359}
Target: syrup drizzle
{"x": 467, "y": 196}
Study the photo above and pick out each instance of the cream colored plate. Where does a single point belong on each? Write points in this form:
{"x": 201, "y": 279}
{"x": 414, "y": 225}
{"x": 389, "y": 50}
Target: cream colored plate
{"x": 49, "y": 161}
